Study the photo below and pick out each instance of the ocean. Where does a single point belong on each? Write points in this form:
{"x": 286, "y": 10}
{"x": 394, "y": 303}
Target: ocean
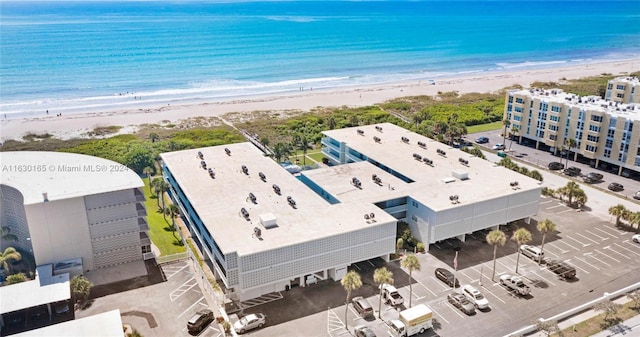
{"x": 76, "y": 56}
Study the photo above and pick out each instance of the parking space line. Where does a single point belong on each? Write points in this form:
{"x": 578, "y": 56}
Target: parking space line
{"x": 577, "y": 267}
{"x": 596, "y": 235}
{"x": 540, "y": 276}
{"x": 504, "y": 265}
{"x": 609, "y": 248}
{"x": 494, "y": 295}
{"x": 583, "y": 244}
{"x": 631, "y": 243}
{"x": 429, "y": 290}
{"x": 371, "y": 263}
{"x": 465, "y": 275}
{"x": 356, "y": 265}
{"x": 440, "y": 283}
{"x": 561, "y": 241}
{"x": 597, "y": 251}
{"x": 191, "y": 306}
{"x": 586, "y": 238}
{"x": 435, "y": 312}
{"x": 579, "y": 259}
{"x": 334, "y": 322}
{"x": 565, "y": 211}
{"x": 590, "y": 254}
{"x": 450, "y": 306}
{"x": 556, "y": 206}
{"x": 547, "y": 201}
{"x": 554, "y": 247}
{"x": 619, "y": 233}
{"x": 181, "y": 289}
{"x": 177, "y": 271}
{"x": 629, "y": 250}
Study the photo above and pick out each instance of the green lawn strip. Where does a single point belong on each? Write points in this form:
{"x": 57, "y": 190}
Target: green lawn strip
{"x": 196, "y": 253}
{"x": 597, "y": 323}
{"x": 163, "y": 238}
{"x": 484, "y": 127}
{"x": 317, "y": 156}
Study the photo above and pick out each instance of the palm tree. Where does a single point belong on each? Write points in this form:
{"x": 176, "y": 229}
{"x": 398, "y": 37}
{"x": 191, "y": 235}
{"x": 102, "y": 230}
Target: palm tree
{"x": 148, "y": 171}
{"x": 618, "y": 211}
{"x": 570, "y": 143}
{"x": 506, "y": 124}
{"x": 496, "y": 237}
{"x": 350, "y": 282}
{"x": 545, "y": 226}
{"x": 153, "y": 136}
{"x": 521, "y": 237}
{"x": 571, "y": 191}
{"x": 382, "y": 276}
{"x": 634, "y": 219}
{"x": 162, "y": 187}
{"x": 174, "y": 211}
{"x": 80, "y": 288}
{"x": 304, "y": 146}
{"x": 412, "y": 263}
{"x": 536, "y": 175}
{"x": 331, "y": 123}
{"x": 6, "y": 234}
{"x": 514, "y": 132}
{"x": 281, "y": 150}
{"x": 9, "y": 254}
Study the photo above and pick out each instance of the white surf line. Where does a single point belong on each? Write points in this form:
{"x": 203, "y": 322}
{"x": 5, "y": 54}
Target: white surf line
{"x": 596, "y": 235}
{"x": 629, "y": 250}
{"x": 565, "y": 211}
{"x": 435, "y": 312}
{"x": 569, "y": 260}
{"x": 563, "y": 242}
{"x": 617, "y": 232}
{"x": 590, "y": 254}
{"x": 191, "y": 306}
{"x": 594, "y": 241}
{"x": 429, "y": 290}
{"x": 597, "y": 251}
{"x": 610, "y": 249}
{"x": 584, "y": 261}
{"x": 583, "y": 244}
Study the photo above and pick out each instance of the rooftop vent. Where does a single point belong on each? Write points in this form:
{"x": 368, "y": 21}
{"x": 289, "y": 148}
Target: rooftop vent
{"x": 427, "y": 161}
{"x": 463, "y": 161}
{"x": 441, "y": 152}
{"x": 252, "y": 197}
{"x": 514, "y": 185}
{"x": 262, "y": 176}
{"x": 291, "y": 202}
{"x": 376, "y": 179}
{"x": 245, "y": 170}
{"x": 417, "y": 156}
{"x": 460, "y": 174}
{"x": 212, "y": 174}
{"x": 369, "y": 217}
{"x": 227, "y": 151}
{"x": 405, "y": 139}
{"x": 244, "y": 213}
{"x": 276, "y": 189}
{"x": 356, "y": 182}
{"x": 200, "y": 155}
{"x": 45, "y": 196}
{"x": 203, "y": 164}
{"x": 257, "y": 232}
{"x": 454, "y": 199}
{"x": 360, "y": 132}
{"x": 376, "y": 139}
{"x": 379, "y": 128}
{"x": 268, "y": 220}
{"x": 422, "y": 144}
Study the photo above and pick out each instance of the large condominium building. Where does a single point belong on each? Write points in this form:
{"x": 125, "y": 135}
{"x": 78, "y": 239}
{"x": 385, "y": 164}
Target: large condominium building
{"x": 79, "y": 213}
{"x": 441, "y": 192}
{"x": 623, "y": 90}
{"x": 262, "y": 229}
{"x": 603, "y": 131}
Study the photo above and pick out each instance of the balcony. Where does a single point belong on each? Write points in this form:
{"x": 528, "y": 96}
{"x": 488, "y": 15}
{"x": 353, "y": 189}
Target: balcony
{"x": 144, "y": 239}
{"x": 142, "y": 224}
{"x": 139, "y": 195}
{"x": 142, "y": 211}
{"x": 329, "y": 142}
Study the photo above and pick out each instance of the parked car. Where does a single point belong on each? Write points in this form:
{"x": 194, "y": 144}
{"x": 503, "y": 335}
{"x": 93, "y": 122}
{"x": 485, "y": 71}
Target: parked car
{"x": 390, "y": 295}
{"x": 636, "y": 238}
{"x": 474, "y": 296}
{"x": 636, "y": 195}
{"x": 615, "y": 187}
{"x": 40, "y": 313}
{"x": 363, "y": 331}
{"x": 200, "y": 320}
{"x": 563, "y": 269}
{"x": 555, "y": 166}
{"x": 250, "y": 322}
{"x": 482, "y": 140}
{"x": 515, "y": 284}
{"x": 461, "y": 302}
{"x": 61, "y": 308}
{"x": 572, "y": 171}
{"x": 446, "y": 277}
{"x": 532, "y": 252}
{"x": 362, "y": 306}
{"x": 498, "y": 147}
{"x": 593, "y": 178}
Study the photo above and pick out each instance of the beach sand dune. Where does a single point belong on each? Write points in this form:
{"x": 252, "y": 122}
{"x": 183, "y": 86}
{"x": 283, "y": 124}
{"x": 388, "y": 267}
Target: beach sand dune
{"x": 75, "y": 125}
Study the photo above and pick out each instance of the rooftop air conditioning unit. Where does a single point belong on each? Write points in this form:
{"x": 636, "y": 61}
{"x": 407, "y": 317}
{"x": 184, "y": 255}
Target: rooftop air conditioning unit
{"x": 441, "y": 152}
{"x": 454, "y": 199}
{"x": 257, "y": 232}
{"x": 203, "y": 164}
{"x": 252, "y": 197}
{"x": 244, "y": 213}
{"x": 379, "y": 128}
{"x": 405, "y": 139}
{"x": 200, "y": 155}
{"x": 427, "y": 161}
{"x": 360, "y": 132}
{"x": 276, "y": 189}
{"x": 212, "y": 174}
{"x": 245, "y": 170}
{"x": 463, "y": 161}
{"x": 262, "y": 176}
{"x": 227, "y": 151}
{"x": 291, "y": 201}
{"x": 356, "y": 182}
{"x": 421, "y": 144}
{"x": 417, "y": 157}
{"x": 376, "y": 139}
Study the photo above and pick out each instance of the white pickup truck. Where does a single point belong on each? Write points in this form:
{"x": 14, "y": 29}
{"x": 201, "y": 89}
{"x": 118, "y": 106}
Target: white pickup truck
{"x": 515, "y": 284}
{"x": 391, "y": 295}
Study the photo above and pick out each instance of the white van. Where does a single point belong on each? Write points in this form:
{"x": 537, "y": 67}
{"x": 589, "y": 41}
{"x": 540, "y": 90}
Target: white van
{"x": 532, "y": 252}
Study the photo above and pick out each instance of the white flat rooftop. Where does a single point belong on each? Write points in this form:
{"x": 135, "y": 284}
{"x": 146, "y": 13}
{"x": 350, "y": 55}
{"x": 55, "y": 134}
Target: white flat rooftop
{"x": 218, "y": 201}
{"x": 106, "y": 324}
{"x": 432, "y": 184}
{"x": 63, "y": 175}
{"x": 46, "y": 288}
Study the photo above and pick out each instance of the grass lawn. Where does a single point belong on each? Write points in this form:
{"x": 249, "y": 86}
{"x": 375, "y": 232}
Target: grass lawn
{"x": 484, "y": 127}
{"x": 317, "y": 156}
{"x": 159, "y": 229}
{"x": 597, "y": 324}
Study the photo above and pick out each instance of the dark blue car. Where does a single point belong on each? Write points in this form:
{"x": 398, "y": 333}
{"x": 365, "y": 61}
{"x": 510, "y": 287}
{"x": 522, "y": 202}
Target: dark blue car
{"x": 482, "y": 140}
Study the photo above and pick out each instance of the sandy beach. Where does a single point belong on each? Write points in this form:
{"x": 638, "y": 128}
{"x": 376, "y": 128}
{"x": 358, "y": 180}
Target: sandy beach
{"x": 74, "y": 125}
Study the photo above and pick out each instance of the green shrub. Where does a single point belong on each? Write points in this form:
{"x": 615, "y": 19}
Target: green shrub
{"x": 420, "y": 247}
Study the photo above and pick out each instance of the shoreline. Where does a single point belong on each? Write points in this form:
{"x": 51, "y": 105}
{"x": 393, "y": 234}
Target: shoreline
{"x": 76, "y": 124}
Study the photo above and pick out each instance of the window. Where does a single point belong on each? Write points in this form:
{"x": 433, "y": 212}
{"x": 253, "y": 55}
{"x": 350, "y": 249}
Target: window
{"x": 556, "y": 108}
{"x": 510, "y": 99}
{"x": 517, "y": 118}
{"x": 553, "y": 137}
{"x": 610, "y": 133}
{"x": 554, "y": 118}
{"x": 553, "y": 127}
{"x": 413, "y": 217}
{"x": 593, "y": 138}
{"x": 519, "y": 100}
{"x": 594, "y": 128}
{"x": 620, "y": 87}
{"x": 596, "y": 118}
{"x": 591, "y": 148}
{"x": 610, "y": 86}
{"x": 518, "y": 109}
{"x": 607, "y": 153}
{"x": 609, "y": 143}
{"x": 414, "y": 204}
{"x": 612, "y": 122}
{"x": 620, "y": 95}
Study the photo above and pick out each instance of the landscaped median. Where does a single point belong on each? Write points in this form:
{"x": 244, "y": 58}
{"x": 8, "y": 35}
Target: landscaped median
{"x": 162, "y": 235}
{"x": 598, "y": 323}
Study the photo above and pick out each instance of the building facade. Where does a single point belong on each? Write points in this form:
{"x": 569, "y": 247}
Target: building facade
{"x": 64, "y": 208}
{"x": 591, "y": 129}
{"x": 623, "y": 90}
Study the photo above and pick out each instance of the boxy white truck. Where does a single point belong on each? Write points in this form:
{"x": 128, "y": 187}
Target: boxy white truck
{"x": 411, "y": 321}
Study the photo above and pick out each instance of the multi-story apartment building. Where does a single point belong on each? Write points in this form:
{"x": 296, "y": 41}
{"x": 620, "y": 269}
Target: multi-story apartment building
{"x": 623, "y": 90}
{"x": 602, "y": 132}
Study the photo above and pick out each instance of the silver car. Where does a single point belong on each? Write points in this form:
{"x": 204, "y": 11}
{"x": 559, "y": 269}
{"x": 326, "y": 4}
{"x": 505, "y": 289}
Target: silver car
{"x": 250, "y": 322}
{"x": 461, "y": 302}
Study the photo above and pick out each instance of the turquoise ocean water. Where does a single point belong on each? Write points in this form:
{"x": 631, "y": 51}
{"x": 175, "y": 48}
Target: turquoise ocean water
{"x": 99, "y": 56}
